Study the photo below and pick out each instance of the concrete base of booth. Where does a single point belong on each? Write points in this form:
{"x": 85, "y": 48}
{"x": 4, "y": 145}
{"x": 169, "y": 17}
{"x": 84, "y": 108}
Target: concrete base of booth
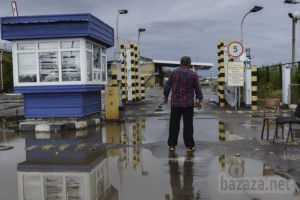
{"x": 61, "y": 101}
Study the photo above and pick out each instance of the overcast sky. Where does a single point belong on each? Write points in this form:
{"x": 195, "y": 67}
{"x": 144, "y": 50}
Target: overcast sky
{"x": 185, "y": 27}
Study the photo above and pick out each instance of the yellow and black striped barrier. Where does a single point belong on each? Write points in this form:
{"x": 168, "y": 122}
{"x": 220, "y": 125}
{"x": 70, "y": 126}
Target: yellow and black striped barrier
{"x": 132, "y": 58}
{"x": 222, "y": 136}
{"x": 114, "y": 76}
{"x": 136, "y": 67}
{"x": 123, "y": 73}
{"x": 221, "y": 73}
{"x": 222, "y": 162}
{"x": 143, "y": 87}
{"x": 254, "y": 88}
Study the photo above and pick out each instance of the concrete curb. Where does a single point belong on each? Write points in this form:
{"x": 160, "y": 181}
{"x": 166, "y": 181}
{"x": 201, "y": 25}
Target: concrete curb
{"x": 53, "y": 127}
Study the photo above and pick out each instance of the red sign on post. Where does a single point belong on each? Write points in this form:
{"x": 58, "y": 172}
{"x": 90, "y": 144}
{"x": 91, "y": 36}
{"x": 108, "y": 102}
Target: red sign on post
{"x": 235, "y": 49}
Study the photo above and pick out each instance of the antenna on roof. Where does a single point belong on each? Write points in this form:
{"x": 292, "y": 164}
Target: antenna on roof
{"x": 14, "y": 9}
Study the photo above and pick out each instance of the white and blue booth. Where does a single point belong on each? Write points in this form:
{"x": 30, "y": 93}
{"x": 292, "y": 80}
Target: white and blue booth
{"x": 59, "y": 63}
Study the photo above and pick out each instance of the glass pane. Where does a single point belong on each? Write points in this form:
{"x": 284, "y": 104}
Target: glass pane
{"x": 70, "y": 65}
{"x": 89, "y": 45}
{"x": 74, "y": 187}
{"x": 48, "y": 66}
{"x": 104, "y": 68}
{"x": 89, "y": 65}
{"x": 53, "y": 187}
{"x": 97, "y": 57}
{"x": 27, "y": 67}
{"x": 32, "y": 187}
{"x": 48, "y": 45}
{"x": 103, "y": 50}
{"x": 26, "y": 46}
{"x": 70, "y": 44}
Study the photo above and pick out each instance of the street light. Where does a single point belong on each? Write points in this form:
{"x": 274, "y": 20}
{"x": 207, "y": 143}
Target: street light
{"x": 253, "y": 10}
{"x": 291, "y": 2}
{"x": 295, "y": 16}
{"x": 140, "y": 30}
{"x": 120, "y": 12}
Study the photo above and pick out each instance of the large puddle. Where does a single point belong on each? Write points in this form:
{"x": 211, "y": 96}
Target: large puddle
{"x": 155, "y": 129}
{"x": 62, "y": 166}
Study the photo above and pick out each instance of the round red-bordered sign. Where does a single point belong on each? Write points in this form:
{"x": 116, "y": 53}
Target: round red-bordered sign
{"x": 235, "y": 49}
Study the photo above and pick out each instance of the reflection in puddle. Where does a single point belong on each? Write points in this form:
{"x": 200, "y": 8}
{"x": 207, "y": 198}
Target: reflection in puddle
{"x": 135, "y": 173}
{"x": 248, "y": 176}
{"x": 154, "y": 129}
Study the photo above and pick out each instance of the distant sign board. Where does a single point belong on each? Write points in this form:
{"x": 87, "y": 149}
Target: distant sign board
{"x": 235, "y": 74}
{"x": 235, "y": 49}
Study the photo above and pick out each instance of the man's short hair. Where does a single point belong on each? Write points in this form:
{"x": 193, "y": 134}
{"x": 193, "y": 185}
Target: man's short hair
{"x": 185, "y": 61}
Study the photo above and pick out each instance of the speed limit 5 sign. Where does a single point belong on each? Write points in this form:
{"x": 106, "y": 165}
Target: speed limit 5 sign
{"x": 235, "y": 49}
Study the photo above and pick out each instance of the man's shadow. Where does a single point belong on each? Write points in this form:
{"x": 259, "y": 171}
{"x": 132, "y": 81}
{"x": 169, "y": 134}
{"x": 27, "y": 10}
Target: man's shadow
{"x": 182, "y": 183}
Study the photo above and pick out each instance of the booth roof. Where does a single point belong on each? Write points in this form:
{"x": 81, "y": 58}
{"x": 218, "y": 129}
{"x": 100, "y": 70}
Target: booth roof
{"x": 96, "y": 26}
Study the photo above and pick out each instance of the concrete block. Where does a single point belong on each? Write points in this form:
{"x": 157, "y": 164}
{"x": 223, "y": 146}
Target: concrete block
{"x": 81, "y": 124}
{"x": 26, "y": 127}
{"x": 42, "y": 128}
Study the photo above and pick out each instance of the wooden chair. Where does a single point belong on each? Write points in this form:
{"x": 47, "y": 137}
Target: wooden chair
{"x": 270, "y": 117}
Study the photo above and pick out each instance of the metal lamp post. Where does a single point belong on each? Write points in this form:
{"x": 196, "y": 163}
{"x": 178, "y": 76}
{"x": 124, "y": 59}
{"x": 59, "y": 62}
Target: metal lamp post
{"x": 295, "y": 17}
{"x": 253, "y": 10}
{"x": 291, "y": 2}
{"x": 140, "y": 30}
{"x": 248, "y": 85}
{"x": 286, "y": 70}
{"x": 117, "y": 49}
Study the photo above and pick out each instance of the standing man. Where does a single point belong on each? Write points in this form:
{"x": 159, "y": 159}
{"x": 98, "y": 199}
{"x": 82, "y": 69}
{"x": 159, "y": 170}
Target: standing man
{"x": 184, "y": 84}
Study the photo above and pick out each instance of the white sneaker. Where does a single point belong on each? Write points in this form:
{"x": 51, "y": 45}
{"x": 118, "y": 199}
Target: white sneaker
{"x": 171, "y": 148}
{"x": 191, "y": 149}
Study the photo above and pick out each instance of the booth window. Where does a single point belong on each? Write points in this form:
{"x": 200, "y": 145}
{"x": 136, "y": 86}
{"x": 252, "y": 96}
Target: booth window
{"x": 103, "y": 68}
{"x": 48, "y": 45}
{"x": 26, "y": 46}
{"x": 70, "y": 65}
{"x": 59, "y": 62}
{"x": 48, "y": 63}
{"x": 27, "y": 67}
{"x": 89, "y": 64}
{"x": 97, "y": 62}
{"x": 70, "y": 44}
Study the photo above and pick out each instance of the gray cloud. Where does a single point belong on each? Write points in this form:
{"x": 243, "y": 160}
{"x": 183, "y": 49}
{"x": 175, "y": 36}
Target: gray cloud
{"x": 191, "y": 27}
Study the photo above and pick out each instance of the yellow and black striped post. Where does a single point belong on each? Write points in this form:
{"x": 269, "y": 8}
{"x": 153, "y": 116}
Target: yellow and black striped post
{"x": 143, "y": 89}
{"x": 114, "y": 76}
{"x": 132, "y": 60}
{"x": 222, "y": 136}
{"x": 136, "y": 65}
{"x": 222, "y": 162}
{"x": 221, "y": 73}
{"x": 254, "y": 88}
{"x": 123, "y": 73}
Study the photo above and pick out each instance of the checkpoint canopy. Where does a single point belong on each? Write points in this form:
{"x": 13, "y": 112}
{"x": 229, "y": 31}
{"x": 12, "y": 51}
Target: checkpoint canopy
{"x": 59, "y": 62}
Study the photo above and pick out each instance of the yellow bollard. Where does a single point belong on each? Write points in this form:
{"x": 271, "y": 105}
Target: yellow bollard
{"x": 112, "y": 103}
{"x": 254, "y": 88}
{"x": 221, "y": 73}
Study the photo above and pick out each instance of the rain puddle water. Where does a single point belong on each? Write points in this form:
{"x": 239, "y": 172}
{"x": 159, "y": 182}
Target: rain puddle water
{"x": 135, "y": 173}
{"x": 61, "y": 166}
{"x": 155, "y": 129}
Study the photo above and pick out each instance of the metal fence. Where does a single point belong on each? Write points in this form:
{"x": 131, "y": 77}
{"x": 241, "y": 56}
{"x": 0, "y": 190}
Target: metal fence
{"x": 270, "y": 81}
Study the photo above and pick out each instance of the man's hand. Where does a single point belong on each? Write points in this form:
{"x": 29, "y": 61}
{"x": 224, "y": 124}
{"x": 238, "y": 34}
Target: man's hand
{"x": 199, "y": 104}
{"x": 165, "y": 100}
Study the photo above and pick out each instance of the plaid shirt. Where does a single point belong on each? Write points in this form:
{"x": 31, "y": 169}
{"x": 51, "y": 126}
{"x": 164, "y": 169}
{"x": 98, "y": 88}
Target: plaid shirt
{"x": 184, "y": 84}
